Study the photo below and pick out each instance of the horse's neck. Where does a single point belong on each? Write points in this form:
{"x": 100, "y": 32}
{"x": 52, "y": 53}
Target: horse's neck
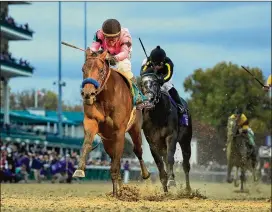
{"x": 111, "y": 84}
{"x": 164, "y": 103}
{"x": 114, "y": 86}
{"x": 161, "y": 109}
{"x": 237, "y": 142}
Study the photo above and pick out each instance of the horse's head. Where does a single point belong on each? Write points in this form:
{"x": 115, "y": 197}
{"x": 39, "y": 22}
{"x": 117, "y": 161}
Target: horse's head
{"x": 95, "y": 70}
{"x": 150, "y": 86}
{"x": 232, "y": 126}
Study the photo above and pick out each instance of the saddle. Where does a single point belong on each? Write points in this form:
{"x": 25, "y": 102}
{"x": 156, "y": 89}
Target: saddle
{"x": 183, "y": 110}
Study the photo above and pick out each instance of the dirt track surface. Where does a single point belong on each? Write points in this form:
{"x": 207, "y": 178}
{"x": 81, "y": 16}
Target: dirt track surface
{"x": 94, "y": 197}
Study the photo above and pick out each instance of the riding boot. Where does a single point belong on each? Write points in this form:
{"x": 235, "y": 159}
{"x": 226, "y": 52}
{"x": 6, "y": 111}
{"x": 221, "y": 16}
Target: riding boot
{"x": 175, "y": 96}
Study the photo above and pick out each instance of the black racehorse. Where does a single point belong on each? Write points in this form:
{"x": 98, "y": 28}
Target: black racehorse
{"x": 164, "y": 126}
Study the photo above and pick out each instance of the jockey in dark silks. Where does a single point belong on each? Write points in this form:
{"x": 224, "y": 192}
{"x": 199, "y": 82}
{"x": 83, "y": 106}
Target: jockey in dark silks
{"x": 164, "y": 68}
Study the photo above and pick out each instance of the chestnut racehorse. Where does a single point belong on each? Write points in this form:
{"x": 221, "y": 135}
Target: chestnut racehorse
{"x": 108, "y": 104}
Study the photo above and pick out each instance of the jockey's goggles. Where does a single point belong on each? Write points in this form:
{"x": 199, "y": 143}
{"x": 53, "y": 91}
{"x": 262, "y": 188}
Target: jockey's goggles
{"x": 158, "y": 63}
{"x": 108, "y": 36}
{"x": 112, "y": 38}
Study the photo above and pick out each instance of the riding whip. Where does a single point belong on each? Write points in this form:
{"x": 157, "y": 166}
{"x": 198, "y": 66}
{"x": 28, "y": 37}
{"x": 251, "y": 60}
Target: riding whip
{"x": 143, "y": 47}
{"x": 72, "y": 46}
{"x": 253, "y": 76}
{"x": 145, "y": 51}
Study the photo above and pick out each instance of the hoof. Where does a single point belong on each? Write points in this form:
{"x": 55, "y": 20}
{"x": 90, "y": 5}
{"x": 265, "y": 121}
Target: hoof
{"x": 165, "y": 189}
{"x": 171, "y": 183}
{"x": 146, "y": 176}
{"x": 79, "y": 173}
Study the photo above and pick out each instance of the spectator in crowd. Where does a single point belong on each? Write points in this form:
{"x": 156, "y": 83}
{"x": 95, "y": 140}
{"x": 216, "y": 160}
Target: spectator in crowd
{"x": 37, "y": 165}
{"x": 126, "y": 172}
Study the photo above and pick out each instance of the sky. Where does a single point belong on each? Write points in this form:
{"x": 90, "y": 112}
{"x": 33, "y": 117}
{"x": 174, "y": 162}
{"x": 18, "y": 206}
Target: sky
{"x": 193, "y": 34}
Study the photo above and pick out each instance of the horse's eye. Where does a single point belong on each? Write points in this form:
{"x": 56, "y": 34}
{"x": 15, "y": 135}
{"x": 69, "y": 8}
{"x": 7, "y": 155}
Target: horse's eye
{"x": 101, "y": 70}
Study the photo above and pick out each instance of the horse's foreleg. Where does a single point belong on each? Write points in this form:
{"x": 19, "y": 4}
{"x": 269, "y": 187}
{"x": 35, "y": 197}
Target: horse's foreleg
{"x": 169, "y": 159}
{"x": 118, "y": 146}
{"x": 229, "y": 179}
{"x": 120, "y": 182}
{"x": 242, "y": 178}
{"x": 160, "y": 165}
{"x": 186, "y": 153}
{"x": 236, "y": 181}
{"x": 135, "y": 133}
{"x": 90, "y": 130}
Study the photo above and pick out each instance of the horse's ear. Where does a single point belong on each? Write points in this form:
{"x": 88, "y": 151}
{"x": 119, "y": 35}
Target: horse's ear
{"x": 104, "y": 55}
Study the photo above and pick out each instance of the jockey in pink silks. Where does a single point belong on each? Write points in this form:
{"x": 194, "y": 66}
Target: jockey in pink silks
{"x": 118, "y": 42}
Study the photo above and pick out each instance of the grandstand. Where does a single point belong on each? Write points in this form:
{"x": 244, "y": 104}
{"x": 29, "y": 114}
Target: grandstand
{"x": 33, "y": 126}
{"x": 11, "y": 67}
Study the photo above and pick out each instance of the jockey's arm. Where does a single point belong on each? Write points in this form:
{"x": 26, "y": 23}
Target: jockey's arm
{"x": 125, "y": 49}
{"x": 126, "y": 44}
{"x": 97, "y": 42}
{"x": 243, "y": 122}
{"x": 167, "y": 70}
{"x": 146, "y": 64}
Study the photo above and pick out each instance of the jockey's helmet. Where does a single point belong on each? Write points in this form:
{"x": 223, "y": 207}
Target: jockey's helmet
{"x": 111, "y": 28}
{"x": 238, "y": 111}
{"x": 157, "y": 55}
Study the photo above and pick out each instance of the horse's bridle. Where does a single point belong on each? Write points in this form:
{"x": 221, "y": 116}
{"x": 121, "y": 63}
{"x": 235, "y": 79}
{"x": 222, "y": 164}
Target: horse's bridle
{"x": 157, "y": 95}
{"x": 98, "y": 84}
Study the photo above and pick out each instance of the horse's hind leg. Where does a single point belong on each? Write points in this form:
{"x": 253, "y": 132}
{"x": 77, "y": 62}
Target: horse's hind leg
{"x": 254, "y": 170}
{"x": 90, "y": 130}
{"x": 185, "y": 145}
{"x": 135, "y": 133}
{"x": 114, "y": 148}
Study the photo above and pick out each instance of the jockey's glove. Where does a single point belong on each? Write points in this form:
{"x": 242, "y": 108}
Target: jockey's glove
{"x": 161, "y": 79}
{"x": 112, "y": 60}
